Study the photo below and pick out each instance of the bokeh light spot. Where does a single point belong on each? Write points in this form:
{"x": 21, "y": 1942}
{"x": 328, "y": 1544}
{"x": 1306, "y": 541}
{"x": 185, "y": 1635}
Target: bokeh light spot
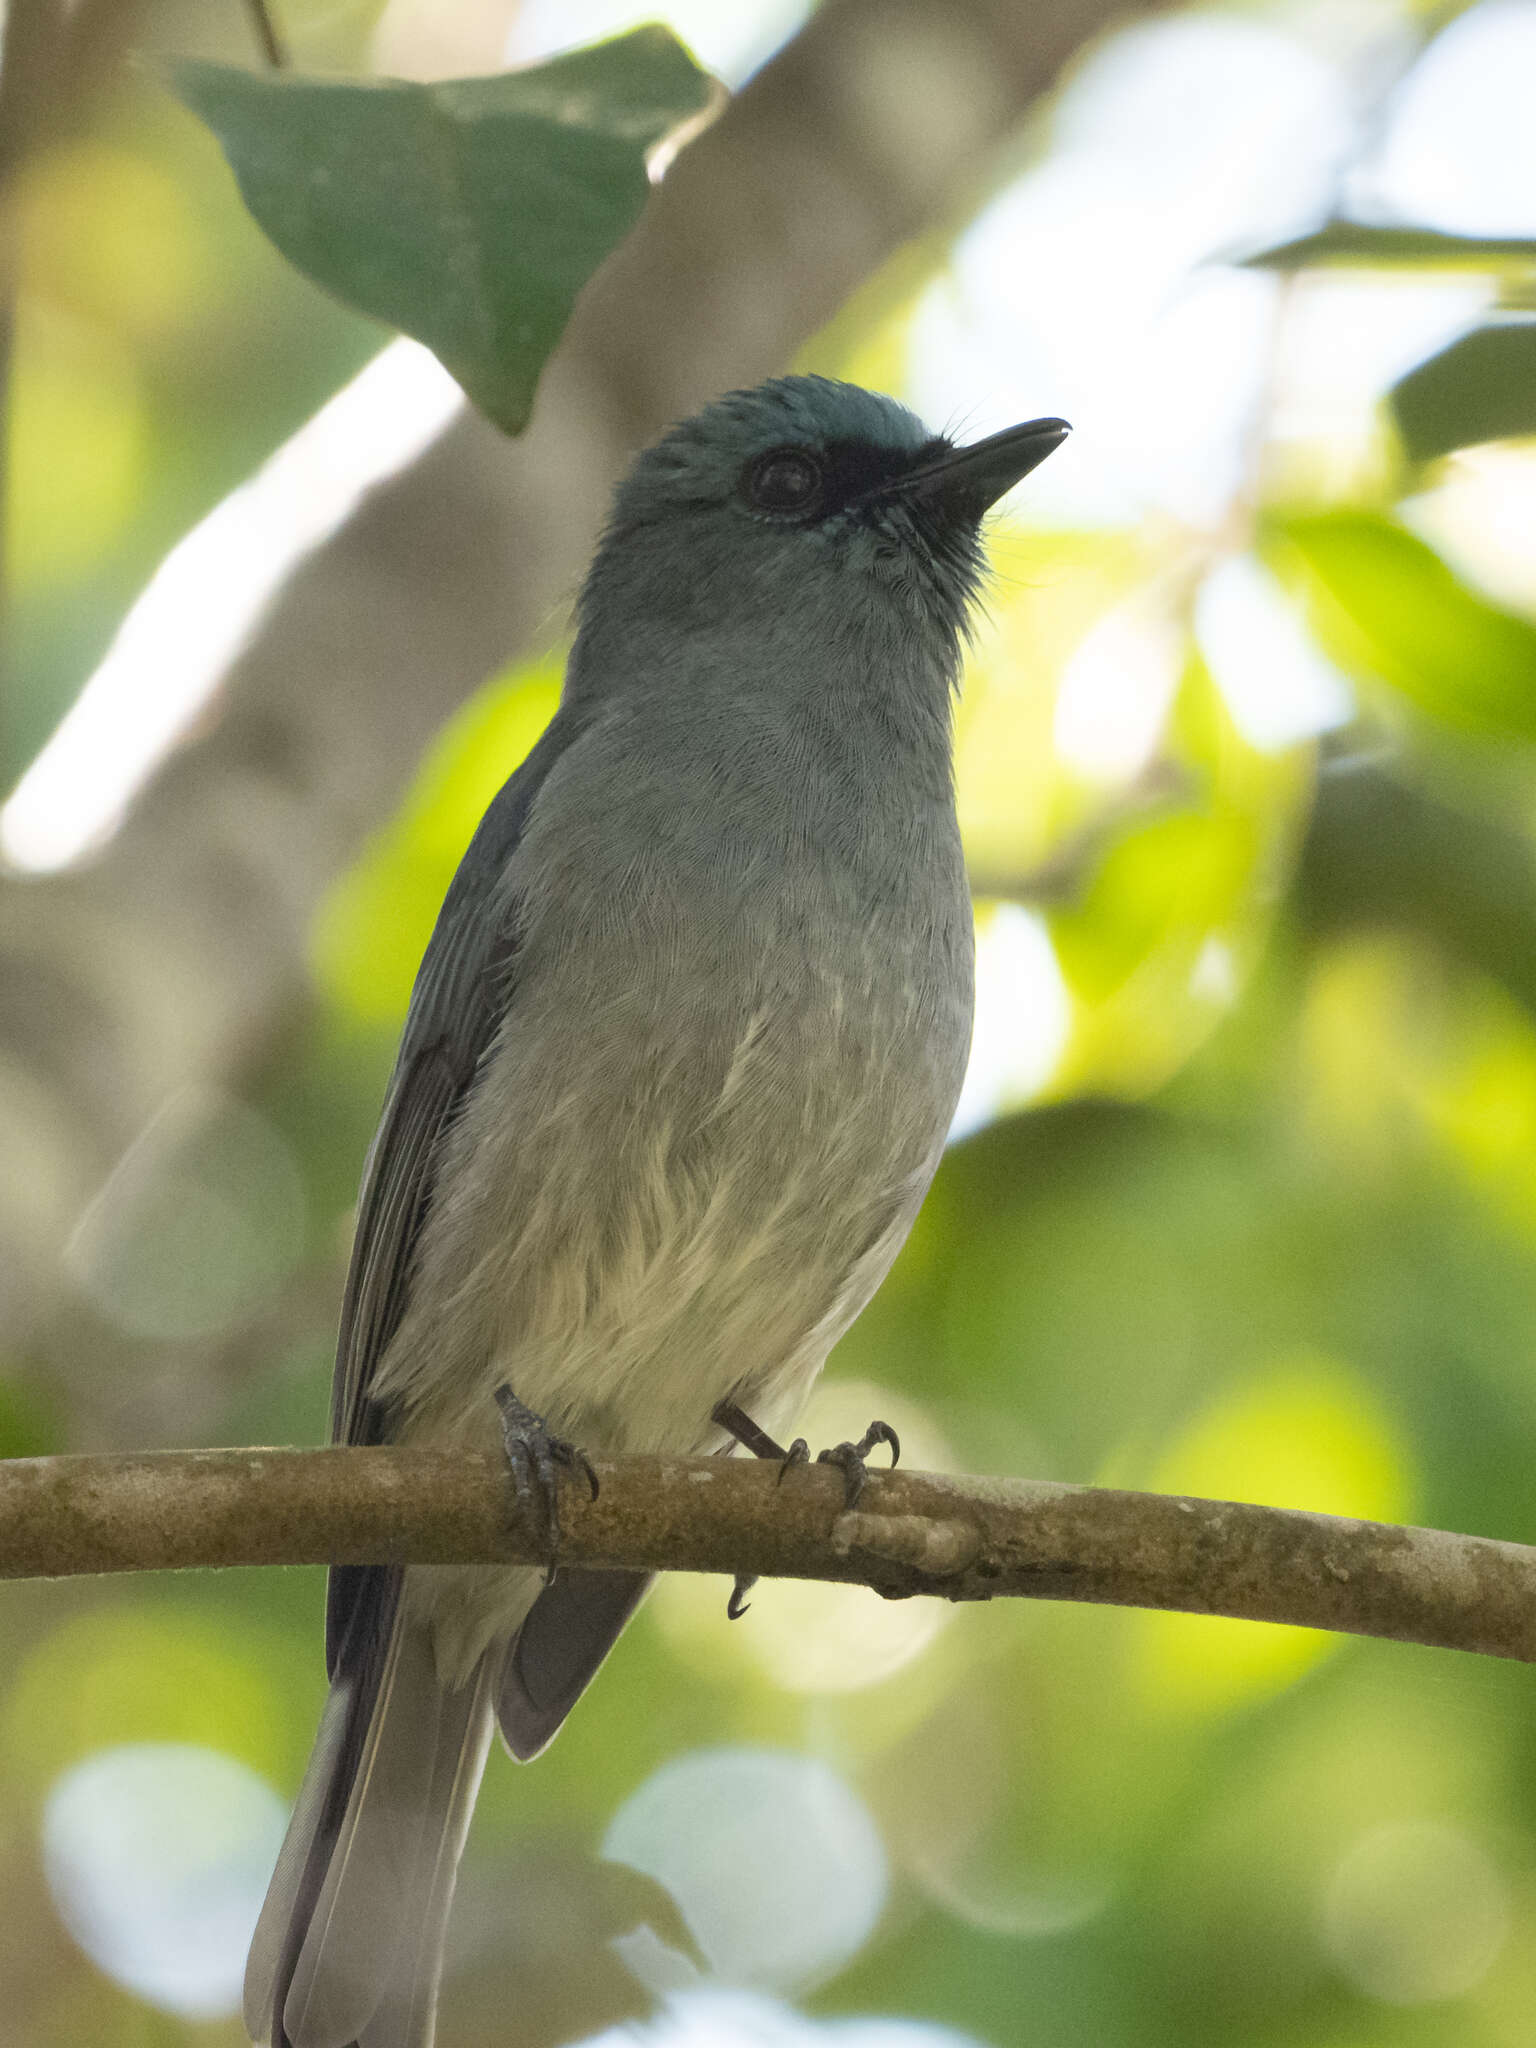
{"x": 1460, "y": 150}
{"x": 1480, "y": 515}
{"x": 157, "y": 1856}
{"x": 773, "y": 1861}
{"x": 1116, "y": 692}
{"x": 1023, "y": 1016}
{"x": 708, "y": 2018}
{"x": 1416, "y": 1913}
{"x": 111, "y": 236}
{"x": 730, "y": 41}
{"x": 199, "y": 1224}
{"x": 1279, "y": 687}
{"x": 76, "y": 447}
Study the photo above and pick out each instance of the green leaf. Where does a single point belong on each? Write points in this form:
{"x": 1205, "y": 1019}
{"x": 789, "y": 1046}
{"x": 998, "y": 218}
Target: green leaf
{"x": 469, "y": 214}
{"x": 1481, "y": 388}
{"x": 1353, "y": 244}
{"x": 1387, "y": 607}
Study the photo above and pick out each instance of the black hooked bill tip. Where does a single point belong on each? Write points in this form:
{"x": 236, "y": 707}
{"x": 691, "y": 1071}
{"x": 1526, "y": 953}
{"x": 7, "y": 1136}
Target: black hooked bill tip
{"x": 968, "y": 480}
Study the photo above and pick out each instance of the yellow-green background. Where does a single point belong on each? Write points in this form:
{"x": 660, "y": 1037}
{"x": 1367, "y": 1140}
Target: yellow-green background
{"x": 1276, "y": 1242}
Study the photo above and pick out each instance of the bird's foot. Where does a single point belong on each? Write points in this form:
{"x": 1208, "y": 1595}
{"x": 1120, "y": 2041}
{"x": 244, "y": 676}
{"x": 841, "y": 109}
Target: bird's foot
{"x": 535, "y": 1458}
{"x": 849, "y": 1458}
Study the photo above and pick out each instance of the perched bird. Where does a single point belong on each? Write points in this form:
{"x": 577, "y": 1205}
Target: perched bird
{"x": 676, "y": 1074}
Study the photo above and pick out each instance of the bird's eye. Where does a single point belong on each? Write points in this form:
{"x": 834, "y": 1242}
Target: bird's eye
{"x": 784, "y": 480}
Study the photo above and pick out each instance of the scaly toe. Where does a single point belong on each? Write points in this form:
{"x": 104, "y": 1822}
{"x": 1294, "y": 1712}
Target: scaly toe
{"x": 534, "y": 1457}
{"x": 849, "y": 1461}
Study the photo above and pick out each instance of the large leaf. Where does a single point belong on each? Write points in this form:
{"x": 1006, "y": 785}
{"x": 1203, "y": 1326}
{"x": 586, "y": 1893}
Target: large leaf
{"x": 1351, "y": 244}
{"x": 1481, "y": 388}
{"x": 1387, "y": 607}
{"x": 469, "y": 214}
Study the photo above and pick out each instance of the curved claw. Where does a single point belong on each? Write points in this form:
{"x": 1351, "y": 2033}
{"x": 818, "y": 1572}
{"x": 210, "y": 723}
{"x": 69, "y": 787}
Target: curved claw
{"x": 799, "y": 1453}
{"x": 737, "y": 1606}
{"x": 881, "y": 1433}
{"x": 576, "y": 1460}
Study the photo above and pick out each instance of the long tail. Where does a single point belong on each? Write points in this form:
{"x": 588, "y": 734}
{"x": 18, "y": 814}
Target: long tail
{"x": 348, "y": 1950}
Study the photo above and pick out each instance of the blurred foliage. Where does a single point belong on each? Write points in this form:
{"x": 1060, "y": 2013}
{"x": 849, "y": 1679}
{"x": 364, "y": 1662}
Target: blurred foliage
{"x": 161, "y": 350}
{"x": 1481, "y": 388}
{"x": 1355, "y": 245}
{"x": 374, "y": 927}
{"x": 1266, "y": 1228}
{"x": 1392, "y": 612}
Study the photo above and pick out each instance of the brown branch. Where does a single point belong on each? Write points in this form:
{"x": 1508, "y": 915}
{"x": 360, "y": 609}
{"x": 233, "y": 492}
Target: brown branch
{"x": 913, "y": 1532}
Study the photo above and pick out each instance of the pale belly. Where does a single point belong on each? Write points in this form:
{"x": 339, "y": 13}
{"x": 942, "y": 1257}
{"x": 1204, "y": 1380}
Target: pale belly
{"x": 637, "y": 1223}
{"x": 638, "y": 1260}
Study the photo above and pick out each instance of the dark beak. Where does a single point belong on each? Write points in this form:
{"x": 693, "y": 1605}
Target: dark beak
{"x": 965, "y": 481}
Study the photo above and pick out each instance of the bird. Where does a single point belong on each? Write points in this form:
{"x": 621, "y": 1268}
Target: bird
{"x": 678, "y": 1067}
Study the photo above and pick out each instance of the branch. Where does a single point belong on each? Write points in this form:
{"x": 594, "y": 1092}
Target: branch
{"x": 913, "y": 1532}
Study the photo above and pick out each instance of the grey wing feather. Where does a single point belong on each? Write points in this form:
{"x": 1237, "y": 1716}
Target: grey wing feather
{"x": 467, "y": 977}
{"x": 555, "y": 1655}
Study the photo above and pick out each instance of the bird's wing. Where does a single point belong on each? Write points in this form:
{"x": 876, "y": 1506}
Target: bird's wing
{"x": 466, "y": 980}
{"x": 555, "y": 1655}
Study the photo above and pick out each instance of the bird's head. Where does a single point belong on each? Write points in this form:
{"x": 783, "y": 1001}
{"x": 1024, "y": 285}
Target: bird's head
{"x": 812, "y": 502}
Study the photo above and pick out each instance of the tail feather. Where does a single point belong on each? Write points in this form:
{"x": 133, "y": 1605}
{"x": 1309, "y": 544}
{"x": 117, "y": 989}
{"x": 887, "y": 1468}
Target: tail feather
{"x": 350, "y": 1944}
{"x": 348, "y": 1949}
{"x": 407, "y": 2010}
{"x": 271, "y": 1945}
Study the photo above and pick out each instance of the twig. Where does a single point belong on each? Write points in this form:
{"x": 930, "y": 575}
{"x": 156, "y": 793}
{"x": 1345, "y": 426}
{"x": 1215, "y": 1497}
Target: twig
{"x": 913, "y": 1532}
{"x": 272, "y": 47}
